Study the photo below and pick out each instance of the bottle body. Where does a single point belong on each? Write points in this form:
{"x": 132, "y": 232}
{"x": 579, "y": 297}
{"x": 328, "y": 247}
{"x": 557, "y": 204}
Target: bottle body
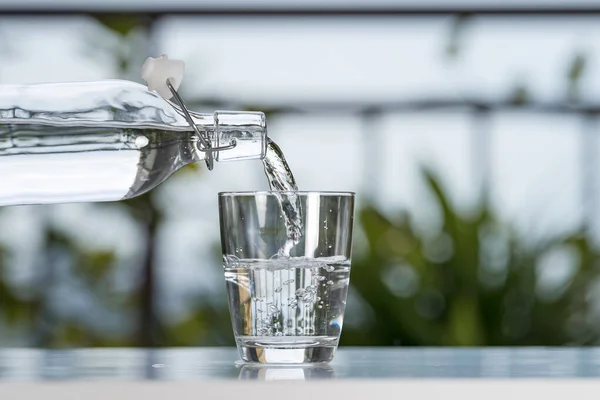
{"x": 105, "y": 141}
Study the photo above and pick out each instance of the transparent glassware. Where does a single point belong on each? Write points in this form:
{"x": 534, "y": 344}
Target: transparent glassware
{"x": 106, "y": 141}
{"x": 286, "y": 310}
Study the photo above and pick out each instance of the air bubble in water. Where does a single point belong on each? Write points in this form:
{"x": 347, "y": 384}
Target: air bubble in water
{"x": 300, "y": 292}
{"x": 321, "y": 278}
{"x": 329, "y": 283}
{"x": 318, "y": 298}
{"x": 330, "y": 246}
{"x": 278, "y": 333}
{"x": 307, "y": 297}
{"x": 311, "y": 289}
{"x": 273, "y": 308}
{"x": 278, "y": 289}
{"x": 329, "y": 268}
{"x": 319, "y": 306}
{"x": 141, "y": 141}
{"x": 293, "y": 303}
{"x": 288, "y": 281}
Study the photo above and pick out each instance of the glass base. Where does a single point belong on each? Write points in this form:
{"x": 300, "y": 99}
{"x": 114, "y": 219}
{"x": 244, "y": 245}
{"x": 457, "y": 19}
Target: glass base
{"x": 287, "y": 349}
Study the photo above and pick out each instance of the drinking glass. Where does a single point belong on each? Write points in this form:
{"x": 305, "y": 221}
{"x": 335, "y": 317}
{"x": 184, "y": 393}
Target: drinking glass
{"x": 287, "y": 257}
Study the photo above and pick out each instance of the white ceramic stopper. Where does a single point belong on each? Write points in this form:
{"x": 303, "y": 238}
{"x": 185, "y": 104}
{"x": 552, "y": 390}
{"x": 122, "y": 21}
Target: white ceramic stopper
{"x": 156, "y": 71}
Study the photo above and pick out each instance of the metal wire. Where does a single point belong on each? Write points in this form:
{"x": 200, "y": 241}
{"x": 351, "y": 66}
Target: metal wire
{"x": 202, "y": 136}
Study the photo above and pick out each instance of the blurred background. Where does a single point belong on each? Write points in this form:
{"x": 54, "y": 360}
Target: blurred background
{"x": 469, "y": 130}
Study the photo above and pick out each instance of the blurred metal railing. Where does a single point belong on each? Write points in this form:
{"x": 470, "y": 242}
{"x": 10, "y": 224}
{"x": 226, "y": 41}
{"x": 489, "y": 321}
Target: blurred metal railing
{"x": 298, "y": 8}
{"x": 480, "y": 112}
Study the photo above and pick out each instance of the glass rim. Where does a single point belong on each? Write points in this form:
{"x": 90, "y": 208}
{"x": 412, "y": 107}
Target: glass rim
{"x": 296, "y": 192}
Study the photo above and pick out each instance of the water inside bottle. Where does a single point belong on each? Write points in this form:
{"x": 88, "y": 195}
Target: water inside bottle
{"x": 42, "y": 164}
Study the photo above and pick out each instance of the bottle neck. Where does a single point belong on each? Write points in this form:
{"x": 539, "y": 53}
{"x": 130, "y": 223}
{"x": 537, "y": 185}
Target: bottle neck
{"x": 235, "y": 136}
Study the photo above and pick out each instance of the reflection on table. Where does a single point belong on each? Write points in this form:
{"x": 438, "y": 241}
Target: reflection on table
{"x": 285, "y": 373}
{"x": 188, "y": 364}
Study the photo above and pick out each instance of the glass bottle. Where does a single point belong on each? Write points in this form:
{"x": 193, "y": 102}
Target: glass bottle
{"x": 107, "y": 140}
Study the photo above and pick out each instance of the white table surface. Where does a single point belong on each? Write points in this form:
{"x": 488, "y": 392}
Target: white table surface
{"x": 360, "y": 372}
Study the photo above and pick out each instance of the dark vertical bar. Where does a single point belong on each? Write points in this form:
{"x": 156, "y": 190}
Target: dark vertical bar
{"x": 150, "y": 24}
{"x": 46, "y": 324}
{"x": 148, "y": 325}
{"x": 588, "y": 167}
{"x": 149, "y": 320}
{"x": 371, "y": 155}
{"x": 148, "y": 335}
{"x": 481, "y": 154}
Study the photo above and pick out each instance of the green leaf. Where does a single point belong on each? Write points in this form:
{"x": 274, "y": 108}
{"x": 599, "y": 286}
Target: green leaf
{"x": 121, "y": 24}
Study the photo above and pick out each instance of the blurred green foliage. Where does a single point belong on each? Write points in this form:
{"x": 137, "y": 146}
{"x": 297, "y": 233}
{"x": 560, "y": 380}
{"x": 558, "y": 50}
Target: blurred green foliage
{"x": 475, "y": 282}
{"x": 15, "y": 309}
